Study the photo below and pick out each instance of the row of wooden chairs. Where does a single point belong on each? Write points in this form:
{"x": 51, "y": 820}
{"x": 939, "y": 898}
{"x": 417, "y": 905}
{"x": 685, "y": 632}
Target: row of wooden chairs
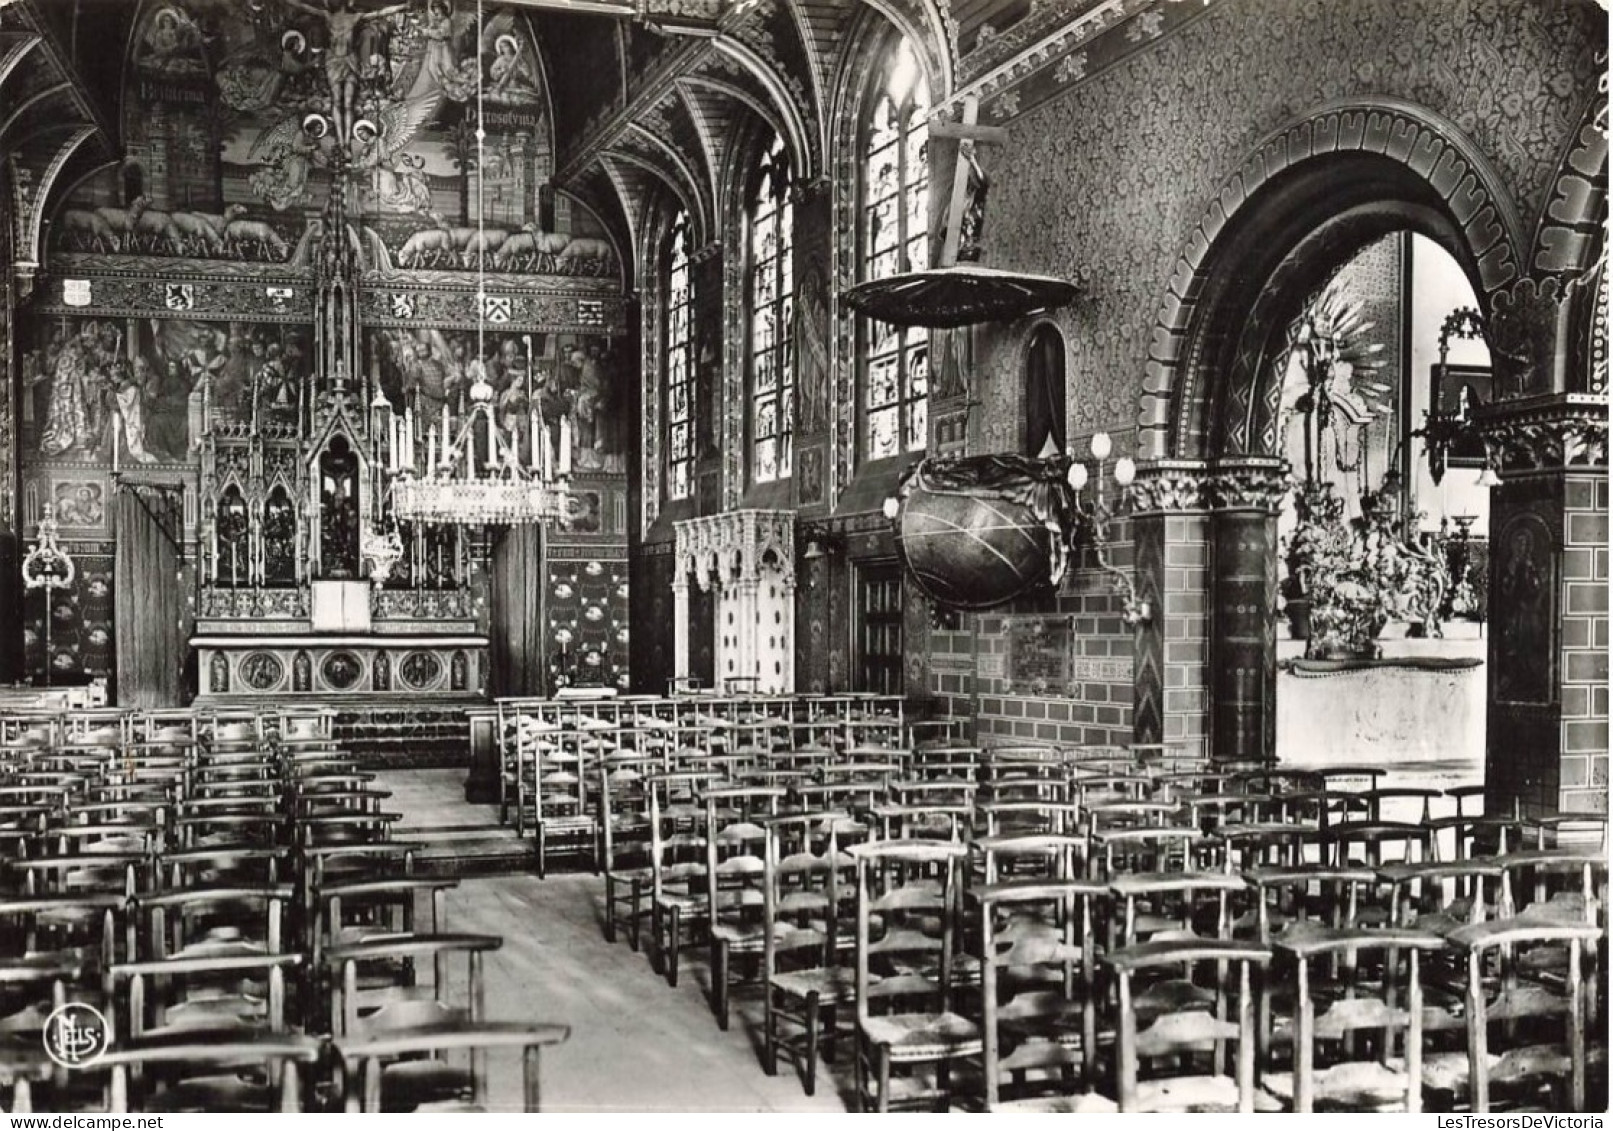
{"x": 753, "y": 880}
{"x": 257, "y": 947}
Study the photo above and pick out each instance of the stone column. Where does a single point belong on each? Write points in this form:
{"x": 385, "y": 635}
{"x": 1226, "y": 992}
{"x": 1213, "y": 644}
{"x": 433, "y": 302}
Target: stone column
{"x": 1170, "y": 527}
{"x": 680, "y": 621}
{"x": 1547, "y": 735}
{"x": 1247, "y": 493}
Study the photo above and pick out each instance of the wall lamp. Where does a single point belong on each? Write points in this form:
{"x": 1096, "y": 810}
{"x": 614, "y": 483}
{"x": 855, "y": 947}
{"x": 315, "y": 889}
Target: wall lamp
{"x": 1096, "y": 512}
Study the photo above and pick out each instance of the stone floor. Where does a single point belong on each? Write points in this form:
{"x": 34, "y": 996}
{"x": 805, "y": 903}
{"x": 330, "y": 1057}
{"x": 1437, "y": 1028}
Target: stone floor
{"x": 637, "y": 1044}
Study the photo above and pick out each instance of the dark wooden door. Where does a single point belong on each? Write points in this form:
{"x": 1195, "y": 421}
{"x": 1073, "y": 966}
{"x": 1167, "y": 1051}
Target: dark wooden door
{"x": 879, "y": 665}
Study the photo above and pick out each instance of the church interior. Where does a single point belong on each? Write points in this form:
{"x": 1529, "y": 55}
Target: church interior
{"x": 839, "y": 555}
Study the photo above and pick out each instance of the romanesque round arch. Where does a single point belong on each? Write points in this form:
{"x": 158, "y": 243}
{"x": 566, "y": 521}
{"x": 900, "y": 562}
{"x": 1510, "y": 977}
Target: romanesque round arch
{"x": 1304, "y": 199}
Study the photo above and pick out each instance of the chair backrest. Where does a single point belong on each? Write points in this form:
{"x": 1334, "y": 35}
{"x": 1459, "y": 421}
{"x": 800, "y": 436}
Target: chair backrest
{"x": 807, "y": 890}
{"x": 363, "y": 1057}
{"x": 908, "y": 901}
{"x": 1037, "y": 965}
{"x": 1173, "y": 905}
{"x": 1041, "y": 856}
{"x": 138, "y": 1068}
{"x": 1175, "y": 999}
{"x": 358, "y": 1009}
{"x": 212, "y": 984}
{"x": 736, "y": 842}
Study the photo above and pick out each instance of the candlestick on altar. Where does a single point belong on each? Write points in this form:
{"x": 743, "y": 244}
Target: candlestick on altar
{"x": 431, "y": 452}
{"x": 565, "y": 445}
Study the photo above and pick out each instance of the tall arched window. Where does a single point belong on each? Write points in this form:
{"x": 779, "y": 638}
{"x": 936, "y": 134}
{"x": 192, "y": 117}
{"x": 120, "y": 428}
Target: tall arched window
{"x": 1044, "y": 393}
{"x": 772, "y": 360}
{"x": 679, "y": 346}
{"x": 894, "y": 364}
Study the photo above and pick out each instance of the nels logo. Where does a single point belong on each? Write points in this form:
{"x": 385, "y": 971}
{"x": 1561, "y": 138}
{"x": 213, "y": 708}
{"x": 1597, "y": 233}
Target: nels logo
{"x": 76, "y": 1035}
{"x": 180, "y": 296}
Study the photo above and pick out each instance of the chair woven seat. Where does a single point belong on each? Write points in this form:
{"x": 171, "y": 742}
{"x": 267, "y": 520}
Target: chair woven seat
{"x": 925, "y": 1036}
{"x": 830, "y": 983}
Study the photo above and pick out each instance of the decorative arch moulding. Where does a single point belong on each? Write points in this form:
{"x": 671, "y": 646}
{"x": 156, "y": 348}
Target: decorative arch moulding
{"x": 1430, "y": 148}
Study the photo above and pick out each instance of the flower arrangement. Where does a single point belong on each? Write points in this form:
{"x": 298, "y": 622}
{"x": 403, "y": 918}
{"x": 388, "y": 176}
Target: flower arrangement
{"x": 1358, "y": 576}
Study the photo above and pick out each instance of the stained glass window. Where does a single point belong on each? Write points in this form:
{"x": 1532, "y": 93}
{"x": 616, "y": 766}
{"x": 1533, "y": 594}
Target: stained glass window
{"x": 895, "y": 362}
{"x": 679, "y": 363}
{"x": 772, "y": 346}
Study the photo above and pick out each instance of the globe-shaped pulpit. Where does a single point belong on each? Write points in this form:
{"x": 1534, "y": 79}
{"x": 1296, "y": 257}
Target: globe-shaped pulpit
{"x": 977, "y": 531}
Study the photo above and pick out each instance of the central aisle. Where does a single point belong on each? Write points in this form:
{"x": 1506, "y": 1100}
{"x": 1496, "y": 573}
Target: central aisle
{"x": 636, "y": 1043}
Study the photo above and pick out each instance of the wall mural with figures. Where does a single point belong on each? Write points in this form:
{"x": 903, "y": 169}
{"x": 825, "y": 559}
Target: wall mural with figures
{"x": 275, "y": 150}
{"x": 224, "y": 164}
{"x": 137, "y": 390}
{"x": 572, "y": 377}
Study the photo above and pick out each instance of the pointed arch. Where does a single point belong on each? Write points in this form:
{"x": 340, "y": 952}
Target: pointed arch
{"x": 787, "y": 116}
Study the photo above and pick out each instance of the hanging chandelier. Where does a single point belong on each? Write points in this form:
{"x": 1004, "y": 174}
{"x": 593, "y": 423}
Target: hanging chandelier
{"x": 474, "y": 474}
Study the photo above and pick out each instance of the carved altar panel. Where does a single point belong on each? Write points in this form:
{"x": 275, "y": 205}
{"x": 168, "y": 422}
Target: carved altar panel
{"x": 334, "y": 667}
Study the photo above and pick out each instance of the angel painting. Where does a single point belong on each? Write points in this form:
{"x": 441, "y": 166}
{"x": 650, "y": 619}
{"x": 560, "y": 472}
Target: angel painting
{"x": 397, "y": 178}
{"x": 442, "y": 29}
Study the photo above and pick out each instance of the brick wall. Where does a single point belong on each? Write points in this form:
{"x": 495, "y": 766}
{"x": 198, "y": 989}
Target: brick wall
{"x": 1582, "y": 782}
{"x": 1099, "y": 711}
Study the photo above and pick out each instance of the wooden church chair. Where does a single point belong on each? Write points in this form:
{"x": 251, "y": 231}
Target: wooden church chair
{"x": 734, "y": 875}
{"x": 908, "y": 919}
{"x": 808, "y": 891}
{"x": 1179, "y": 1004}
{"x": 1528, "y": 1043}
{"x": 365, "y": 1063}
{"x": 624, "y": 838}
{"x": 1357, "y": 1042}
{"x": 1039, "y": 994}
{"x": 678, "y": 912}
{"x": 380, "y": 989}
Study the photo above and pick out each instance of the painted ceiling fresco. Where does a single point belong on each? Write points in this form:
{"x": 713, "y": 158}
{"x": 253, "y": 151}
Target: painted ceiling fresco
{"x": 235, "y": 114}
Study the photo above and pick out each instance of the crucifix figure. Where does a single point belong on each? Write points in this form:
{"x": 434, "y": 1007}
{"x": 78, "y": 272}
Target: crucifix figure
{"x": 966, "y": 206}
{"x": 341, "y": 62}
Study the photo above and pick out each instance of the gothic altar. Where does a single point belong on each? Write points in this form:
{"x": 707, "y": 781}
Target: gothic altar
{"x": 297, "y": 598}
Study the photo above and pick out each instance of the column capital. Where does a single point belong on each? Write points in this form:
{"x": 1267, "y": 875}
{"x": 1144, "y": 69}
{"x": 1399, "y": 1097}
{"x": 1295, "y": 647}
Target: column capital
{"x": 1556, "y": 432}
{"x": 1169, "y": 486}
{"x": 1245, "y": 483}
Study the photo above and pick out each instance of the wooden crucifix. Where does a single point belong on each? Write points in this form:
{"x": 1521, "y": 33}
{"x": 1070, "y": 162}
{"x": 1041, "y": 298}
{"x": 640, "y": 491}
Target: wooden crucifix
{"x": 961, "y": 224}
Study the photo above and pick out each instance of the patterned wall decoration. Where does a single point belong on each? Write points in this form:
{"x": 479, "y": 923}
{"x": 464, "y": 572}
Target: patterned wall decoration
{"x": 81, "y": 630}
{"x": 586, "y": 607}
{"x": 1073, "y": 196}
